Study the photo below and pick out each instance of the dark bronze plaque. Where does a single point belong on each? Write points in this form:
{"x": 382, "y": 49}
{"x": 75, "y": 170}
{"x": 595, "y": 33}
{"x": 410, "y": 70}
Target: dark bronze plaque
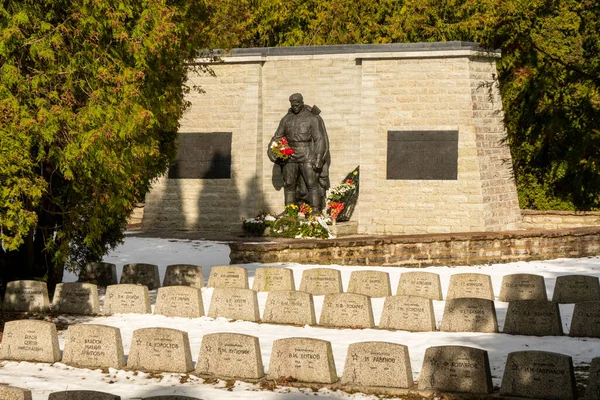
{"x": 423, "y": 155}
{"x": 202, "y": 156}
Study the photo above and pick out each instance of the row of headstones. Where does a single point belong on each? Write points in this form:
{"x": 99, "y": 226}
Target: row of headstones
{"x": 539, "y": 374}
{"x": 340, "y": 310}
{"x": 321, "y": 281}
{"x": 17, "y": 393}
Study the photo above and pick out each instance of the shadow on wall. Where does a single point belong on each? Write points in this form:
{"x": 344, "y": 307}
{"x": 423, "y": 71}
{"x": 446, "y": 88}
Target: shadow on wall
{"x": 203, "y": 196}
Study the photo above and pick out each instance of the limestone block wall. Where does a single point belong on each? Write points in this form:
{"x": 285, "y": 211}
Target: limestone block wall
{"x": 364, "y": 91}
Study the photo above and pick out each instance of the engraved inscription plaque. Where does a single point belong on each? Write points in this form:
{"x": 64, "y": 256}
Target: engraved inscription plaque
{"x": 422, "y": 155}
{"x": 203, "y": 156}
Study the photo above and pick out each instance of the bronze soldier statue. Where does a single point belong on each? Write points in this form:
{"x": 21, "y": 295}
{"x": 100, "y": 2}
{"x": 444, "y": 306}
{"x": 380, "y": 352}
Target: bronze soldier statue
{"x": 306, "y": 173}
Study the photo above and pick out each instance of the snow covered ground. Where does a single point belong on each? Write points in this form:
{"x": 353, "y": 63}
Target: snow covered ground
{"x": 43, "y": 379}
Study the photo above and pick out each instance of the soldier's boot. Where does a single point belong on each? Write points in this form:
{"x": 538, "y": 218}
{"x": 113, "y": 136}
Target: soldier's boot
{"x": 314, "y": 197}
{"x": 289, "y": 196}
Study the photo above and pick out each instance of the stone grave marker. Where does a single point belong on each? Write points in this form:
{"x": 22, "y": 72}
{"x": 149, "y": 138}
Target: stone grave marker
{"x": 228, "y": 276}
{"x": 98, "y": 273}
{"x": 469, "y": 315}
{"x": 523, "y": 287}
{"x": 160, "y": 350}
{"x": 184, "y": 275}
{"x": 30, "y": 340}
{"x": 538, "y": 374}
{"x": 408, "y": 313}
{"x": 179, "y": 301}
{"x": 456, "y": 369}
{"x": 230, "y": 355}
{"x": 93, "y": 346}
{"x": 592, "y": 392}
{"x": 126, "y": 298}
{"x": 82, "y": 395}
{"x": 14, "y": 393}
{"x": 378, "y": 364}
{"x": 347, "y": 310}
{"x": 290, "y": 307}
{"x": 533, "y": 317}
{"x": 576, "y": 288}
{"x": 422, "y": 284}
{"x": 234, "y": 303}
{"x": 171, "y": 397}
{"x": 370, "y": 283}
{"x": 476, "y": 286}
{"x": 270, "y": 279}
{"x": 303, "y": 359}
{"x": 76, "y": 298}
{"x": 585, "y": 321}
{"x": 141, "y": 274}
{"x": 28, "y": 296}
{"x": 320, "y": 281}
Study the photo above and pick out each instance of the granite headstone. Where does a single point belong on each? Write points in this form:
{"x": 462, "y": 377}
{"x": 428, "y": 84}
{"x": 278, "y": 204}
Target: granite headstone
{"x": 179, "y": 301}
{"x": 184, "y": 275}
{"x": 30, "y": 340}
{"x": 289, "y": 307}
{"x": 93, "y": 346}
{"x": 470, "y": 285}
{"x": 321, "y": 281}
{"x": 347, "y": 310}
{"x": 456, "y": 369}
{"x": 160, "y": 350}
{"x": 82, "y": 395}
{"x": 141, "y": 274}
{"x": 370, "y": 283}
{"x": 523, "y": 287}
{"x": 76, "y": 298}
{"x": 14, "y": 393}
{"x": 533, "y": 318}
{"x": 234, "y": 303}
{"x": 99, "y": 273}
{"x": 585, "y": 321}
{"x": 539, "y": 375}
{"x": 230, "y": 355}
{"x": 408, "y": 313}
{"x": 228, "y": 276}
{"x": 422, "y": 284}
{"x": 379, "y": 364}
{"x": 576, "y": 288}
{"x": 126, "y": 298}
{"x": 269, "y": 279}
{"x": 469, "y": 315}
{"x": 592, "y": 392}
{"x": 28, "y": 296}
{"x": 302, "y": 359}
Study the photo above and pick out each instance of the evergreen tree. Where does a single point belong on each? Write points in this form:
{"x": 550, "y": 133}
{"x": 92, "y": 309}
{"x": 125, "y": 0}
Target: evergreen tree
{"x": 91, "y": 92}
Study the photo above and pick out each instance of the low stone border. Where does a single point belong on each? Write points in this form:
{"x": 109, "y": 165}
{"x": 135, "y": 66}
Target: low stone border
{"x": 453, "y": 249}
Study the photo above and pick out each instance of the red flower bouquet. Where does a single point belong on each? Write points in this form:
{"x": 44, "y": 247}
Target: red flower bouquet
{"x": 281, "y": 149}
